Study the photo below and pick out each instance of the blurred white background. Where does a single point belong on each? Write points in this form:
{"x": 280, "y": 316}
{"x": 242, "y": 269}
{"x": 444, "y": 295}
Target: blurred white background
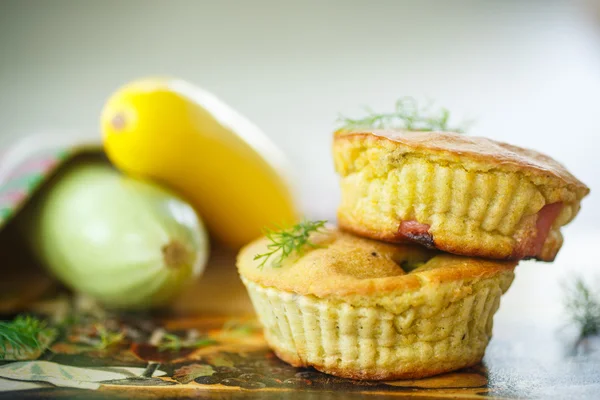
{"x": 528, "y": 72}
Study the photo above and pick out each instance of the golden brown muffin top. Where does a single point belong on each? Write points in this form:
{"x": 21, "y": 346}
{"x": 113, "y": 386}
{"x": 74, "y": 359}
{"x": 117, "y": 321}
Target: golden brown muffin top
{"x": 455, "y": 147}
{"x": 342, "y": 264}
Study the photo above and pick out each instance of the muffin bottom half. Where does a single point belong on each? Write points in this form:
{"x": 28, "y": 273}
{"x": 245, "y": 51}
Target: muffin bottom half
{"x": 433, "y": 330}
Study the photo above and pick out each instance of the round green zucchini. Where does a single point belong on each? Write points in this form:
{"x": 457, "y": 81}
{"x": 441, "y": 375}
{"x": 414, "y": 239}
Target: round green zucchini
{"x": 130, "y": 244}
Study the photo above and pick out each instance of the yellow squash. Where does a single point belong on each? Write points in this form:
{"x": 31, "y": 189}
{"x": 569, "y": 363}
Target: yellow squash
{"x": 180, "y": 135}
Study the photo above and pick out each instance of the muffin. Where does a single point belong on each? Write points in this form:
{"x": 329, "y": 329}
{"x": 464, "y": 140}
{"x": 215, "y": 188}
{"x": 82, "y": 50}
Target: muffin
{"x": 464, "y": 195}
{"x": 363, "y": 309}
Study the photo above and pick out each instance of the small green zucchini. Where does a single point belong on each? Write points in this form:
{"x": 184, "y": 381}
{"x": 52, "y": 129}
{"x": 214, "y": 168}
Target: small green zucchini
{"x": 128, "y": 243}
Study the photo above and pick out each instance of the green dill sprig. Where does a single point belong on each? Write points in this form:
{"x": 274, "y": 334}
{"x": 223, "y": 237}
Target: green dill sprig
{"x": 107, "y": 338}
{"x": 170, "y": 342}
{"x": 285, "y": 242}
{"x": 406, "y": 115}
{"x": 240, "y": 328}
{"x": 22, "y": 335}
{"x": 583, "y": 307}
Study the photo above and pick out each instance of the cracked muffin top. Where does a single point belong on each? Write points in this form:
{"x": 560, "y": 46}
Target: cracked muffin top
{"x": 472, "y": 151}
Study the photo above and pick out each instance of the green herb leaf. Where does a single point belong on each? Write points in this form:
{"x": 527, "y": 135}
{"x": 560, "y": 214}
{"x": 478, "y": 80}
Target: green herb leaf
{"x": 407, "y": 115}
{"x": 108, "y": 338}
{"x": 170, "y": 342}
{"x": 236, "y": 327}
{"x": 583, "y": 307}
{"x": 285, "y": 242}
{"x": 24, "y": 334}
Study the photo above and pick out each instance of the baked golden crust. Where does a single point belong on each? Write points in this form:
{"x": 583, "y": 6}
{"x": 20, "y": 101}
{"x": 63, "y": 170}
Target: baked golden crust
{"x": 350, "y": 267}
{"x": 356, "y": 308}
{"x": 363, "y": 309}
{"x": 458, "y": 147}
{"x": 464, "y": 195}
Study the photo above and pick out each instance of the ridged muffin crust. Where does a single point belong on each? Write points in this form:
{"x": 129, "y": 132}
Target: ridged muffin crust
{"x": 464, "y": 195}
{"x": 358, "y": 308}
